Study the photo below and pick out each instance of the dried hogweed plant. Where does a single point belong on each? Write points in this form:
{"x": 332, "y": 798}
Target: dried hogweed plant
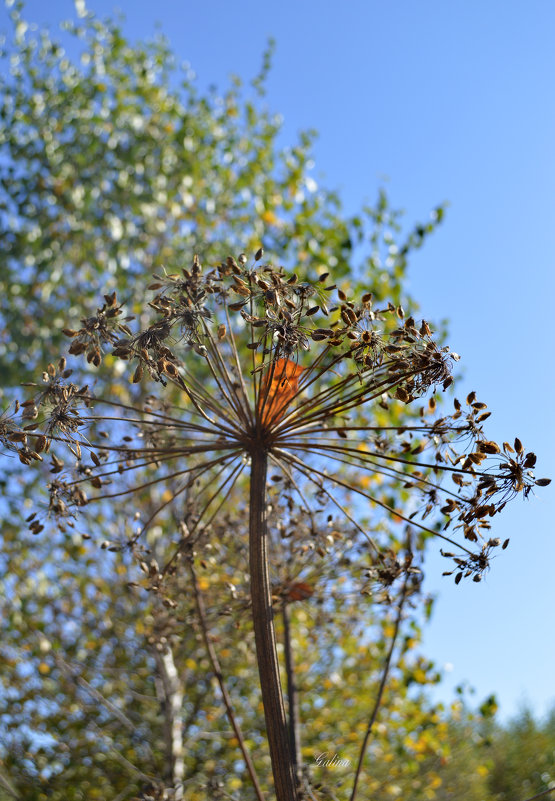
{"x": 273, "y": 378}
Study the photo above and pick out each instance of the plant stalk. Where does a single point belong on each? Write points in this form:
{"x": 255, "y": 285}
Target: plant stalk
{"x": 381, "y": 688}
{"x": 285, "y": 782}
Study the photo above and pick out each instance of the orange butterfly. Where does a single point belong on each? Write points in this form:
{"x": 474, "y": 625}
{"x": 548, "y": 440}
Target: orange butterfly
{"x": 283, "y": 387}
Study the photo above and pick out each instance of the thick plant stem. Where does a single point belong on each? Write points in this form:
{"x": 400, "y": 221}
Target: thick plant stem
{"x": 265, "y": 636}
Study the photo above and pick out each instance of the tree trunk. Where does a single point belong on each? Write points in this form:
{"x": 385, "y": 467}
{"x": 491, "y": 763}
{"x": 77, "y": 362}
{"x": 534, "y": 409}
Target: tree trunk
{"x": 171, "y": 692}
{"x": 265, "y": 637}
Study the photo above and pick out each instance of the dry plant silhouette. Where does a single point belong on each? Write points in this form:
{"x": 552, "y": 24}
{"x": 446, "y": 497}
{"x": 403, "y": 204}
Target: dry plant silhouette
{"x": 288, "y": 384}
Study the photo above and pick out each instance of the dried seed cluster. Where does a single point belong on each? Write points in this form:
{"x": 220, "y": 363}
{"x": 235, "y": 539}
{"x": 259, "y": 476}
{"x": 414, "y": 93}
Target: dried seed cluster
{"x": 102, "y": 328}
{"x": 263, "y": 360}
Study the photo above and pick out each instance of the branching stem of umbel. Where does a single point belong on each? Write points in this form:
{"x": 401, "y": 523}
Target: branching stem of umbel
{"x": 264, "y": 633}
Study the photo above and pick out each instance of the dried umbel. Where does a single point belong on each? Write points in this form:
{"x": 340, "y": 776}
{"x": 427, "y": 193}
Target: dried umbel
{"x": 255, "y": 372}
{"x": 264, "y": 363}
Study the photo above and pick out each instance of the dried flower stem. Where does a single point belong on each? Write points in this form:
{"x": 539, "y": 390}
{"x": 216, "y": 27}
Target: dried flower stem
{"x": 309, "y": 474}
{"x": 292, "y": 693}
{"x": 381, "y": 688}
{"x": 264, "y": 632}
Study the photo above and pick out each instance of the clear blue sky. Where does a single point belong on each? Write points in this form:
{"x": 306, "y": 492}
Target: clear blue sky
{"x": 444, "y": 101}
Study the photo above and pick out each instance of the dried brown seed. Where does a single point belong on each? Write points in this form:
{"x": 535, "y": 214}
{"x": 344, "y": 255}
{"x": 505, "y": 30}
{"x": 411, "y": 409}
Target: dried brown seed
{"x": 40, "y": 443}
{"x": 241, "y": 287}
{"x": 36, "y": 527}
{"x": 488, "y": 447}
{"x": 402, "y": 395}
{"x": 76, "y": 449}
{"x": 351, "y": 315}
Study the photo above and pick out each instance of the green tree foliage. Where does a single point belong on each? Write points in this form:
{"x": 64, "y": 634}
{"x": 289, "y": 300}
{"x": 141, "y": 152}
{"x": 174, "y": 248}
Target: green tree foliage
{"x": 485, "y": 760}
{"x": 521, "y": 757}
{"x": 114, "y": 164}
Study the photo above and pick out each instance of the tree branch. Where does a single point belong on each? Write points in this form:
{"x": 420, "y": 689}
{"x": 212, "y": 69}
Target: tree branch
{"x": 542, "y": 794}
{"x": 118, "y": 757}
{"x": 85, "y": 685}
{"x": 9, "y": 788}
